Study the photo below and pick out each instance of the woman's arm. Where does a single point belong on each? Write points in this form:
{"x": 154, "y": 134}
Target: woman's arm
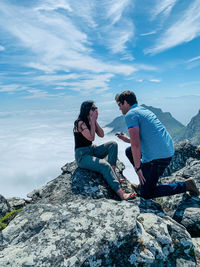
{"x": 89, "y": 134}
{"x": 99, "y": 130}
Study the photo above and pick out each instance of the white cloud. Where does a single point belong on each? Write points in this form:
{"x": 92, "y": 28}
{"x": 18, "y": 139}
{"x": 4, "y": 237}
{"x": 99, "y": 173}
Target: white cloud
{"x": 118, "y": 42}
{"x": 116, "y": 9}
{"x": 11, "y": 88}
{"x": 184, "y": 30}
{"x": 194, "y": 59}
{"x": 163, "y": 7}
{"x": 148, "y": 33}
{"x": 36, "y": 93}
{"x": 53, "y": 5}
{"x": 155, "y": 80}
{"x": 2, "y": 48}
{"x": 55, "y": 40}
{"x": 89, "y": 83}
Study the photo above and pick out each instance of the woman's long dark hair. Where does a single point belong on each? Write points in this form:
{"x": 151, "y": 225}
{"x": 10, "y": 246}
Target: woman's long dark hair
{"x": 84, "y": 113}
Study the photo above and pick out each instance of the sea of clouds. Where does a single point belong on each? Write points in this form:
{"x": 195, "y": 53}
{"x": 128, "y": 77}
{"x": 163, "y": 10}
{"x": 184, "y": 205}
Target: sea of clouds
{"x": 34, "y": 146}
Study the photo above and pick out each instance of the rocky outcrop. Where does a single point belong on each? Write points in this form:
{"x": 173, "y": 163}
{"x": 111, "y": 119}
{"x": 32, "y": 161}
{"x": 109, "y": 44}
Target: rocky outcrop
{"x": 17, "y": 203}
{"x": 192, "y": 130}
{"x": 76, "y": 220}
{"x": 4, "y": 206}
{"x": 183, "y": 151}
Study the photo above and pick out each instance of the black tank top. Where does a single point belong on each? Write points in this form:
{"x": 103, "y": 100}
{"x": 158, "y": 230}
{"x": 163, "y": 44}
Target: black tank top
{"x": 80, "y": 140}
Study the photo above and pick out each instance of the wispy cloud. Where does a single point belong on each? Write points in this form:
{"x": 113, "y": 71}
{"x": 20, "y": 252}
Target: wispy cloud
{"x": 56, "y": 41}
{"x": 163, "y": 7}
{"x": 88, "y": 84}
{"x": 148, "y": 33}
{"x": 194, "y": 59}
{"x": 2, "y": 48}
{"x": 185, "y": 29}
{"x": 35, "y": 93}
{"x": 10, "y": 88}
{"x": 155, "y": 80}
{"x": 116, "y": 9}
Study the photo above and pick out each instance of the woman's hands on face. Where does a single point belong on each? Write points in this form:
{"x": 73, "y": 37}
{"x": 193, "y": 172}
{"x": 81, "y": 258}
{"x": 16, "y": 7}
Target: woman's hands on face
{"x": 93, "y": 116}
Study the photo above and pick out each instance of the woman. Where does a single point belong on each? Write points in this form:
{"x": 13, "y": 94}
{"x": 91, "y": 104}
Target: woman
{"x": 89, "y": 156}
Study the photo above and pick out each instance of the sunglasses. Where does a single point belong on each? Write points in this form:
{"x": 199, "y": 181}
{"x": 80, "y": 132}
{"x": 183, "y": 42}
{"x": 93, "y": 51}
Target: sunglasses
{"x": 119, "y": 103}
{"x": 93, "y": 108}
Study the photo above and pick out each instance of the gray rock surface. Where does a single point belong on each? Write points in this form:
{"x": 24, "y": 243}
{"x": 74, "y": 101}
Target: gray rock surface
{"x": 76, "y": 220}
{"x": 99, "y": 232}
{"x": 4, "y": 206}
{"x": 183, "y": 151}
{"x": 196, "y": 242}
{"x": 17, "y": 203}
{"x": 184, "y": 208}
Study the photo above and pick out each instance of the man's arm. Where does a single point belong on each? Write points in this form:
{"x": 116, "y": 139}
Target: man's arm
{"x": 123, "y": 137}
{"x": 134, "y": 133}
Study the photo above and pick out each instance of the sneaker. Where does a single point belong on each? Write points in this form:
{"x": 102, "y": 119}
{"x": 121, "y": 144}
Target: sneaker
{"x": 191, "y": 187}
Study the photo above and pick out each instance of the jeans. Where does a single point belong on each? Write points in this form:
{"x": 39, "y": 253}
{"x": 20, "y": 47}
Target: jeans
{"x": 152, "y": 171}
{"x": 93, "y": 158}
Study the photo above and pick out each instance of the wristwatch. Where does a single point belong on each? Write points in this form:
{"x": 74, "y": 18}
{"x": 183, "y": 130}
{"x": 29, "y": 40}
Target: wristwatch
{"x": 137, "y": 169}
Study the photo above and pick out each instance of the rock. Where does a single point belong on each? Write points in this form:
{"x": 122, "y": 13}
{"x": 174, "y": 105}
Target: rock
{"x": 4, "y": 206}
{"x": 196, "y": 242}
{"x": 17, "y": 203}
{"x": 183, "y": 151}
{"x": 99, "y": 232}
{"x": 76, "y": 183}
{"x": 188, "y": 214}
{"x": 77, "y": 220}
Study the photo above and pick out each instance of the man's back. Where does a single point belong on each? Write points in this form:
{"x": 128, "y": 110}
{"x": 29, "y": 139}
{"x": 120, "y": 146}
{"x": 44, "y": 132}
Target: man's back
{"x": 155, "y": 140}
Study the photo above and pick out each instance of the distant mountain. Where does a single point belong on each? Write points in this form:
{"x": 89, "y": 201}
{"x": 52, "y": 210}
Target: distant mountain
{"x": 192, "y": 131}
{"x": 174, "y": 127}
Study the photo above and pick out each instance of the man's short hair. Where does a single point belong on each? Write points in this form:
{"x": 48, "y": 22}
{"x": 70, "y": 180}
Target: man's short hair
{"x": 129, "y": 96}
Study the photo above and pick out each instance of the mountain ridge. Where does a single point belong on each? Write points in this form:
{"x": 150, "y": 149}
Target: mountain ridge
{"x": 175, "y": 128}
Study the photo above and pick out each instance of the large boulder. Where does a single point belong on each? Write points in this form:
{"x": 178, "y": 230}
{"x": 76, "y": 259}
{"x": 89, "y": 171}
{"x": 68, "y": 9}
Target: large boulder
{"x": 76, "y": 220}
{"x": 183, "y": 151}
{"x": 184, "y": 208}
{"x": 99, "y": 232}
{"x": 4, "y": 206}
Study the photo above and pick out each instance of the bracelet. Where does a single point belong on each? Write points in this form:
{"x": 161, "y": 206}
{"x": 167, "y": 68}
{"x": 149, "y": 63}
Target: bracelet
{"x": 137, "y": 169}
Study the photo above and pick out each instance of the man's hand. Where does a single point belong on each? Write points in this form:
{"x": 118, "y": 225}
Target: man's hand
{"x": 123, "y": 137}
{"x": 141, "y": 177}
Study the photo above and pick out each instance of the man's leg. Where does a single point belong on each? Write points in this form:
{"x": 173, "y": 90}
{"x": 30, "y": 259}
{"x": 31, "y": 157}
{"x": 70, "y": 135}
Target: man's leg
{"x": 152, "y": 171}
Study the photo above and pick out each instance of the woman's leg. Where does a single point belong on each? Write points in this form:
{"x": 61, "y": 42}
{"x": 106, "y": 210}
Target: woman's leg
{"x": 109, "y": 149}
{"x": 103, "y": 167}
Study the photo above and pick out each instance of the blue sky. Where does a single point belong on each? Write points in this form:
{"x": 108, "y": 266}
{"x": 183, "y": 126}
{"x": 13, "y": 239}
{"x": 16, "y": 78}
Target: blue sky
{"x": 58, "y": 52}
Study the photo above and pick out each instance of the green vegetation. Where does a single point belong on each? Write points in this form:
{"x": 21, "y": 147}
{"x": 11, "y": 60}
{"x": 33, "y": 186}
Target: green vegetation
{"x": 4, "y": 221}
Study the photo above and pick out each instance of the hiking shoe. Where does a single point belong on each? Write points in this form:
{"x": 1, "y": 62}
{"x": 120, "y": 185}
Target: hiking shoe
{"x": 191, "y": 187}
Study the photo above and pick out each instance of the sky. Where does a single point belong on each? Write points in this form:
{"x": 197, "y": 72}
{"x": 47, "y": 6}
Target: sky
{"x": 56, "y": 54}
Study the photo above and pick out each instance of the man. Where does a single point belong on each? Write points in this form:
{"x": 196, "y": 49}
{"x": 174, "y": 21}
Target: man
{"x": 151, "y": 149}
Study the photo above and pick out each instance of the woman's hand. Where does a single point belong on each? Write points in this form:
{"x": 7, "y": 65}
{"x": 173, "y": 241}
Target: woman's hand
{"x": 93, "y": 117}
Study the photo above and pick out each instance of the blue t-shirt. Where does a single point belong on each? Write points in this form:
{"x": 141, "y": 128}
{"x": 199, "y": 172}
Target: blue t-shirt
{"x": 156, "y": 143}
